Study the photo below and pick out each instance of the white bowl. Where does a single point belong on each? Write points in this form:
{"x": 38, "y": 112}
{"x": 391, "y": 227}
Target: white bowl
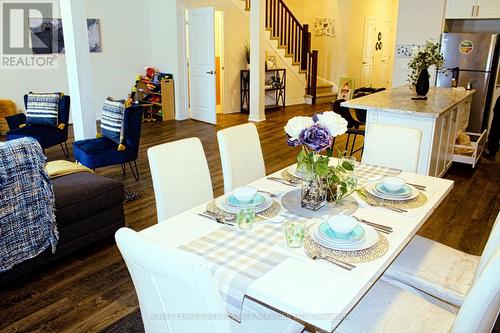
{"x": 393, "y": 183}
{"x": 342, "y": 224}
{"x": 245, "y": 194}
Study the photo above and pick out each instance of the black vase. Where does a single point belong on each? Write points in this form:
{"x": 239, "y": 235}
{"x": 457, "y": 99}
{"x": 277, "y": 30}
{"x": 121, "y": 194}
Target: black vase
{"x": 422, "y": 86}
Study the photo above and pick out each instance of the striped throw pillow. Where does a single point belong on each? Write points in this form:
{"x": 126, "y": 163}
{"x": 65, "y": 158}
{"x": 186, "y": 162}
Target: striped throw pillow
{"x": 42, "y": 109}
{"x": 112, "y": 119}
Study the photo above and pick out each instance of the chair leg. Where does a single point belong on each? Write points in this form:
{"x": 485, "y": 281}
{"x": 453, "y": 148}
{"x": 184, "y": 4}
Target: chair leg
{"x": 136, "y": 172}
{"x": 347, "y": 142}
{"x": 65, "y": 151}
{"x": 124, "y": 168}
{"x": 353, "y": 144}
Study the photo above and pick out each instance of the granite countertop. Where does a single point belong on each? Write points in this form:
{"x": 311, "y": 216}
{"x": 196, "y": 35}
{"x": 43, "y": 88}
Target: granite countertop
{"x": 398, "y": 100}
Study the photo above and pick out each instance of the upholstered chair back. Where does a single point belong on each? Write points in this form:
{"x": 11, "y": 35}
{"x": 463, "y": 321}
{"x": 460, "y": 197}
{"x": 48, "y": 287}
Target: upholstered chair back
{"x": 481, "y": 306}
{"x": 176, "y": 290}
{"x": 491, "y": 247}
{"x": 63, "y": 115}
{"x": 392, "y": 146}
{"x": 241, "y": 156}
{"x": 181, "y": 178}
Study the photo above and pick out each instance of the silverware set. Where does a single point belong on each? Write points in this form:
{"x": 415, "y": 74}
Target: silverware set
{"x": 317, "y": 254}
{"x": 218, "y": 218}
{"x": 417, "y": 186}
{"x": 379, "y": 227}
{"x": 382, "y": 204}
{"x": 289, "y": 182}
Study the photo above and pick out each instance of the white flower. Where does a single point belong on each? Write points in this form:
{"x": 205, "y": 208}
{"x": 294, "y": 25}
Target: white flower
{"x": 333, "y": 121}
{"x": 295, "y": 125}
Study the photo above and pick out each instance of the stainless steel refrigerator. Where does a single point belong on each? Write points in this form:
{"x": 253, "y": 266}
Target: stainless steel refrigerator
{"x": 473, "y": 58}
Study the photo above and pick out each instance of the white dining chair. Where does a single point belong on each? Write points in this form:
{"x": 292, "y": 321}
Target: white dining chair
{"x": 181, "y": 178}
{"x": 241, "y": 155}
{"x": 387, "y": 308}
{"x": 178, "y": 294}
{"x": 439, "y": 270}
{"x": 392, "y": 146}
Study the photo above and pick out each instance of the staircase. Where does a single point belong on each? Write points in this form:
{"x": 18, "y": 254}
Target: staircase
{"x": 295, "y": 39}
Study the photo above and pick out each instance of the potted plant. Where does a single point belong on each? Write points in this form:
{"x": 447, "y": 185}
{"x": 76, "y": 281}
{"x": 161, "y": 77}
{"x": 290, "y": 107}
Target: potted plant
{"x": 422, "y": 59}
{"x": 319, "y": 179}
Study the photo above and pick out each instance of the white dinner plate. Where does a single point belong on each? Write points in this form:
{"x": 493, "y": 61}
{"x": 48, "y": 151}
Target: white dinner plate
{"x": 294, "y": 172}
{"x": 221, "y": 204}
{"x": 371, "y": 238}
{"x": 371, "y": 189}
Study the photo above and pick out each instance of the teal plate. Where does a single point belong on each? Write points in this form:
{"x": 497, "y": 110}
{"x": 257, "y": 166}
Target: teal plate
{"x": 357, "y": 233}
{"x": 257, "y": 201}
{"x": 402, "y": 192}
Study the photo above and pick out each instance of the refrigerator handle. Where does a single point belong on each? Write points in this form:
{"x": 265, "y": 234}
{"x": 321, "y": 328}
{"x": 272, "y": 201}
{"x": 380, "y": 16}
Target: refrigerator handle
{"x": 454, "y": 76}
{"x": 473, "y": 8}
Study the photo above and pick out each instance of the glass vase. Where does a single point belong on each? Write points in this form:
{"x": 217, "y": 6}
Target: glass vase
{"x": 313, "y": 191}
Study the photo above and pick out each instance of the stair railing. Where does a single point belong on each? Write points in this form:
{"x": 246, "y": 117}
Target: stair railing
{"x": 294, "y": 37}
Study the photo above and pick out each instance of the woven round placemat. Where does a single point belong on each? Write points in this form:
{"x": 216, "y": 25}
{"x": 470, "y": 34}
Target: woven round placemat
{"x": 419, "y": 201}
{"x": 269, "y": 213}
{"x": 352, "y": 257}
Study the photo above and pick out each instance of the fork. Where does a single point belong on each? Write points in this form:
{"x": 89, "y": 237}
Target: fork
{"x": 272, "y": 195}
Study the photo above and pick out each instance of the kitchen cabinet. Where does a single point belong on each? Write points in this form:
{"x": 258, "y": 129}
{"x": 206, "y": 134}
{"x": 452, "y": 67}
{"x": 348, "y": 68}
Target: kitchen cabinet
{"x": 439, "y": 118}
{"x": 472, "y": 9}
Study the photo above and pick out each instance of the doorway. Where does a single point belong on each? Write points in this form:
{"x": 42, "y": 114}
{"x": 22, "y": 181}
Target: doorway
{"x": 368, "y": 49}
{"x": 205, "y": 63}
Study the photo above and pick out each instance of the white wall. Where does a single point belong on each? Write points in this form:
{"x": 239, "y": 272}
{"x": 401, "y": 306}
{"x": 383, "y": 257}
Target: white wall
{"x": 418, "y": 21}
{"x": 125, "y": 52}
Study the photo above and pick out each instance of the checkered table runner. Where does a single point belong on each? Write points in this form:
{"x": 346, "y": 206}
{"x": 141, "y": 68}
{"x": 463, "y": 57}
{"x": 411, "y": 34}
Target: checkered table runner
{"x": 237, "y": 258}
{"x": 365, "y": 172}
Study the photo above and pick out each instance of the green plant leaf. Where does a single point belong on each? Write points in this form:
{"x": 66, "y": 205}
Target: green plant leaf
{"x": 347, "y": 166}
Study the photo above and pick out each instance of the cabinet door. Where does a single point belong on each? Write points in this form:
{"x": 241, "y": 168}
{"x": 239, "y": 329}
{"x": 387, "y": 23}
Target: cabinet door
{"x": 444, "y": 132}
{"x": 451, "y": 137}
{"x": 460, "y": 8}
{"x": 489, "y": 9}
{"x": 463, "y": 115}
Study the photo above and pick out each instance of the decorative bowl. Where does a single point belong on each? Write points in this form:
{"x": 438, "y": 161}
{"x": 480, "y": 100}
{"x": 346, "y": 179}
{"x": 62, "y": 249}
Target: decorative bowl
{"x": 342, "y": 224}
{"x": 245, "y": 194}
{"x": 393, "y": 184}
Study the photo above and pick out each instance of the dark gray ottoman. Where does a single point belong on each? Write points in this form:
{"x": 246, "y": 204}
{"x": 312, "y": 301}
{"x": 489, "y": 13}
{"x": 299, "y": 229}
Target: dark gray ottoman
{"x": 88, "y": 208}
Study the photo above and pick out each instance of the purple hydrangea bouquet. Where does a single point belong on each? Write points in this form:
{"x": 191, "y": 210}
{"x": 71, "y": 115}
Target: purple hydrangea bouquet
{"x": 319, "y": 179}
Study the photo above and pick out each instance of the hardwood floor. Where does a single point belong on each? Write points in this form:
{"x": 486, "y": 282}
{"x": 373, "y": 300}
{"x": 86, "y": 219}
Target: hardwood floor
{"x": 92, "y": 290}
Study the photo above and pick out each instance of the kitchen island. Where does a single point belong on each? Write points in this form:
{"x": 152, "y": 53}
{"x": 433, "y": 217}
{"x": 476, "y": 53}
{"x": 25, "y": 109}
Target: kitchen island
{"x": 439, "y": 118}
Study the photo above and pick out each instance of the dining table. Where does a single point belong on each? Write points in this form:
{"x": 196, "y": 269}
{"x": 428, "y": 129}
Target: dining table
{"x": 314, "y": 291}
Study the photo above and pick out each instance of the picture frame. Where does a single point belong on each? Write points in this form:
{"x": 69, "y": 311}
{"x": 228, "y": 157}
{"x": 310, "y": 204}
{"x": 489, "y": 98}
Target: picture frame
{"x": 47, "y": 35}
{"x": 346, "y": 88}
{"x": 271, "y": 62}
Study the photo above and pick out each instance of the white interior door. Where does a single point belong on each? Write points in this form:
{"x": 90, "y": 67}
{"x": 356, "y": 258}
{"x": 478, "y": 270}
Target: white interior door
{"x": 368, "y": 49}
{"x": 202, "y": 64}
{"x": 385, "y": 62}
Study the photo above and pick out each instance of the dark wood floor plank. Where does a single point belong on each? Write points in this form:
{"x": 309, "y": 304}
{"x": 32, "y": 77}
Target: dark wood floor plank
{"x": 91, "y": 290}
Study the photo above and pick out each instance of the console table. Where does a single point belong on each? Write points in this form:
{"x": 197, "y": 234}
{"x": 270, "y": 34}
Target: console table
{"x": 275, "y": 88}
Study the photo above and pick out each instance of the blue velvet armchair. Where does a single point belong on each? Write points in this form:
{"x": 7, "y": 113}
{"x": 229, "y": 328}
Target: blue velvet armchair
{"x": 101, "y": 152}
{"x": 47, "y": 136}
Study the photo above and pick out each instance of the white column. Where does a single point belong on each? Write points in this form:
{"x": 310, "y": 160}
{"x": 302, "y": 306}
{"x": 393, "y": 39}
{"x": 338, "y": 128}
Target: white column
{"x": 257, "y": 58}
{"x": 76, "y": 47}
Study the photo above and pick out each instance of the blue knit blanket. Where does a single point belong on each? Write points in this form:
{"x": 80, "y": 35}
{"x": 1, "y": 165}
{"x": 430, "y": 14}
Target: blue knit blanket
{"x": 27, "y": 205}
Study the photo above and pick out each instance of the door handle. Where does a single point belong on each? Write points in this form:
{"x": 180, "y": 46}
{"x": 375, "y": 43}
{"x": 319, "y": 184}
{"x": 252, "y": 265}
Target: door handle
{"x": 211, "y": 72}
